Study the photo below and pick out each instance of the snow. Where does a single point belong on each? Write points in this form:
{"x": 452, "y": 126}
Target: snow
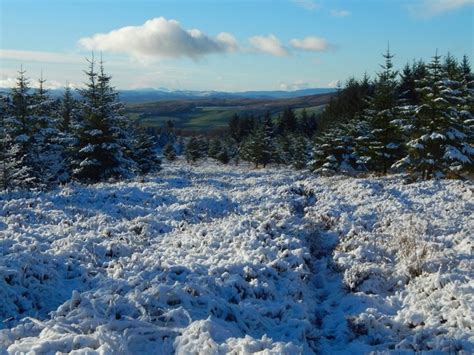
{"x": 221, "y": 259}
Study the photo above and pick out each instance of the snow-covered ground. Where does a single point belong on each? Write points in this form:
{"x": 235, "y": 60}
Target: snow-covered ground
{"x": 216, "y": 259}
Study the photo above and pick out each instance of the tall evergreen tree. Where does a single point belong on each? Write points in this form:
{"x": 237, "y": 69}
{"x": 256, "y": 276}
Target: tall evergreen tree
{"x": 383, "y": 143}
{"x": 288, "y": 122}
{"x": 439, "y": 134}
{"x": 193, "y": 150}
{"x": 169, "y": 152}
{"x": 102, "y": 141}
{"x": 18, "y": 168}
{"x": 259, "y": 147}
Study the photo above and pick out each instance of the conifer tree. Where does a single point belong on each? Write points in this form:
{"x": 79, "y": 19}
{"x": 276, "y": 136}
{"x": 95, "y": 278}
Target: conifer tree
{"x": 193, "y": 150}
{"x": 299, "y": 152}
{"x": 259, "y": 148}
{"x": 288, "y": 122}
{"x": 382, "y": 146}
{"x": 169, "y": 152}
{"x": 50, "y": 164}
{"x": 334, "y": 151}
{"x": 215, "y": 147}
{"x": 67, "y": 110}
{"x": 18, "y": 168}
{"x": 144, "y": 152}
{"x": 12, "y": 171}
{"x": 439, "y": 134}
{"x": 102, "y": 140}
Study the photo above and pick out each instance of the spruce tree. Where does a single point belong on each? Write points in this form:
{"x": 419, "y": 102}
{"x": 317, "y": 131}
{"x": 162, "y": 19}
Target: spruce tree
{"x": 102, "y": 140}
{"x": 18, "y": 160}
{"x": 13, "y": 173}
{"x": 193, "y": 150}
{"x": 215, "y": 147}
{"x": 259, "y": 148}
{"x": 169, "y": 152}
{"x": 439, "y": 134}
{"x": 299, "y": 152}
{"x": 50, "y": 164}
{"x": 144, "y": 152}
{"x": 333, "y": 150}
{"x": 383, "y": 144}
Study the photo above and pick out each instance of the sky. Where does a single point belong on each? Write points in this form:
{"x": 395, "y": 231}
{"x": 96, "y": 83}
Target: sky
{"x": 225, "y": 45}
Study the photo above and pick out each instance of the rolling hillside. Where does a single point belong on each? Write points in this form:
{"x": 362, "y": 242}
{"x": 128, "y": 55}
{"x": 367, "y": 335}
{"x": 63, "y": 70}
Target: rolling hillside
{"x": 198, "y": 114}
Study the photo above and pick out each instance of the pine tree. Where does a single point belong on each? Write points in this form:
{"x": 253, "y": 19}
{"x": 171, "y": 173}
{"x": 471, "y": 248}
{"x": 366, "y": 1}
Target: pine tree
{"x": 215, "y": 147}
{"x": 334, "y": 151}
{"x": 144, "y": 152}
{"x": 67, "y": 110}
{"x": 12, "y": 171}
{"x": 299, "y": 152}
{"x": 18, "y": 160}
{"x": 223, "y": 156}
{"x": 193, "y": 150}
{"x": 287, "y": 122}
{"x": 50, "y": 164}
{"x": 382, "y": 146}
{"x": 307, "y": 124}
{"x": 439, "y": 134}
{"x": 169, "y": 152}
{"x": 102, "y": 138}
{"x": 259, "y": 148}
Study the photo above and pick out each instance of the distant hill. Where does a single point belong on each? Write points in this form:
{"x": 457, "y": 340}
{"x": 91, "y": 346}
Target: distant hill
{"x": 151, "y": 95}
{"x": 147, "y": 95}
{"x": 214, "y": 112}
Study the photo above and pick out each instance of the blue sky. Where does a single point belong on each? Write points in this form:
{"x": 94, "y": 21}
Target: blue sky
{"x": 226, "y": 45}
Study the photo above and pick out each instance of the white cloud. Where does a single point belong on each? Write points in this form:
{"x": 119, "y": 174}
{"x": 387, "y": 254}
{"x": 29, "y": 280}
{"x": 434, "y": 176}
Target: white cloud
{"x": 268, "y": 44}
{"x": 160, "y": 38}
{"x": 430, "y": 8}
{"x": 296, "y": 85}
{"x": 333, "y": 84}
{"x": 307, "y": 4}
{"x": 9, "y": 82}
{"x": 340, "y": 13}
{"x": 310, "y": 43}
{"x": 44, "y": 57}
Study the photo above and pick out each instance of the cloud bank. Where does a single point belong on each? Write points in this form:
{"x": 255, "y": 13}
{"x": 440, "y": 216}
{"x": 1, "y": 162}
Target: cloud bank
{"x": 311, "y": 44}
{"x": 268, "y": 44}
{"x": 160, "y": 37}
{"x": 431, "y": 8}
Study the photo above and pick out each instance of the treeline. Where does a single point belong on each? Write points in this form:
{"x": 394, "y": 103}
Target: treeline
{"x": 45, "y": 141}
{"x": 259, "y": 140}
{"x": 419, "y": 120}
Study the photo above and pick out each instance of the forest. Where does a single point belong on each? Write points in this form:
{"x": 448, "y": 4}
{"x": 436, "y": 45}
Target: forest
{"x": 418, "y": 120}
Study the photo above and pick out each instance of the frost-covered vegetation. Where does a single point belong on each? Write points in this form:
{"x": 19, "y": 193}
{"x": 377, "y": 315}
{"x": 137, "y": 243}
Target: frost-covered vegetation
{"x": 218, "y": 259}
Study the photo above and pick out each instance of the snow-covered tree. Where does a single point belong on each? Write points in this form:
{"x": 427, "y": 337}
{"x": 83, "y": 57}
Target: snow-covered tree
{"x": 193, "y": 150}
{"x": 144, "y": 152}
{"x": 259, "y": 147}
{"x": 104, "y": 141}
{"x": 13, "y": 172}
{"x": 18, "y": 160}
{"x": 334, "y": 151}
{"x": 215, "y": 147}
{"x": 169, "y": 152}
{"x": 299, "y": 152}
{"x": 382, "y": 145}
{"x": 49, "y": 153}
{"x": 439, "y": 133}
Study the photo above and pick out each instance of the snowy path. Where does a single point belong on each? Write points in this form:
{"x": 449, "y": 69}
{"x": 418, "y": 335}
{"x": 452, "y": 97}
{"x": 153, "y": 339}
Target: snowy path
{"x": 221, "y": 259}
